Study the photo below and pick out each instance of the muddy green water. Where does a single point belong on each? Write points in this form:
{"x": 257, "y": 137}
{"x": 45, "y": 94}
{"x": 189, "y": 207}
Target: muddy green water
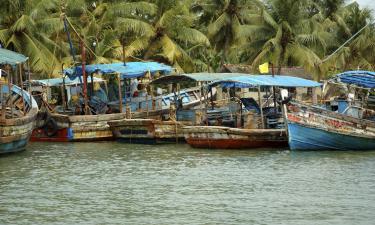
{"x": 113, "y": 183}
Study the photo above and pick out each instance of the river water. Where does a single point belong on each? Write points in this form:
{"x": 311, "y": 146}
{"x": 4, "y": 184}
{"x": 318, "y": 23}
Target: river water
{"x": 114, "y": 183}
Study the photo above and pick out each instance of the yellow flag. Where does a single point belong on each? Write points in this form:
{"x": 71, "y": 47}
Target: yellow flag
{"x": 264, "y": 68}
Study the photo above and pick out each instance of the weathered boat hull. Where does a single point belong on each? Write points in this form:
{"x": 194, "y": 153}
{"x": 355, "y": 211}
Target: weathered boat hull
{"x": 147, "y": 131}
{"x": 79, "y": 128}
{"x": 308, "y": 138}
{"x": 16, "y": 145}
{"x": 234, "y": 138}
{"x": 312, "y": 128}
{"x": 15, "y": 132}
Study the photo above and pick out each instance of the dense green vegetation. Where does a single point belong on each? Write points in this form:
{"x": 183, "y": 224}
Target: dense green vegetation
{"x": 191, "y": 35}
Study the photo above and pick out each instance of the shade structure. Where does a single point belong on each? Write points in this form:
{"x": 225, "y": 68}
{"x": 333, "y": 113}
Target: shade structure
{"x": 129, "y": 70}
{"x": 59, "y": 81}
{"x": 198, "y": 77}
{"x": 265, "y": 80}
{"x": 364, "y": 79}
{"x": 11, "y": 58}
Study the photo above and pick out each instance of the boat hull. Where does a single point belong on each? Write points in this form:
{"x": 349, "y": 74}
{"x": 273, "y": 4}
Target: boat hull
{"x": 147, "y": 131}
{"x": 308, "y": 138}
{"x": 78, "y": 128}
{"x": 14, "y": 146}
{"x": 234, "y": 138}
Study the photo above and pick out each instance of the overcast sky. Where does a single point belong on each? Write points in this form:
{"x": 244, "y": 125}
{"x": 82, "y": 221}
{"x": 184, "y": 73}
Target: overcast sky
{"x": 368, "y": 3}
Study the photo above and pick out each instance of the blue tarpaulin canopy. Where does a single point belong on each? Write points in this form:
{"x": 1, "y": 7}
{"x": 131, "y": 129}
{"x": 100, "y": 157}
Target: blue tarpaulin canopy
{"x": 365, "y": 79}
{"x": 11, "y": 58}
{"x": 265, "y": 80}
{"x": 203, "y": 77}
{"x": 59, "y": 81}
{"x": 130, "y": 70}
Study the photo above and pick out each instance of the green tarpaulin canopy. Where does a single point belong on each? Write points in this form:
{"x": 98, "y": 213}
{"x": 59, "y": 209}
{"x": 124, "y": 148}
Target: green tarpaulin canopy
{"x": 10, "y": 57}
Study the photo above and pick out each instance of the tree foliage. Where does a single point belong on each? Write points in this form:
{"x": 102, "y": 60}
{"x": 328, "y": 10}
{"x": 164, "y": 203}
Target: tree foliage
{"x": 191, "y": 35}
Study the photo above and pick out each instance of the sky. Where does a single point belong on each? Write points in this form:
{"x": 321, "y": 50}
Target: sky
{"x": 368, "y": 3}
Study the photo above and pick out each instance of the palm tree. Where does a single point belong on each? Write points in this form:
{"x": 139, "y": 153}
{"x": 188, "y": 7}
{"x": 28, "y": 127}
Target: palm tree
{"x": 23, "y": 28}
{"x": 224, "y": 19}
{"x": 284, "y": 34}
{"x": 359, "y": 53}
{"x": 159, "y": 29}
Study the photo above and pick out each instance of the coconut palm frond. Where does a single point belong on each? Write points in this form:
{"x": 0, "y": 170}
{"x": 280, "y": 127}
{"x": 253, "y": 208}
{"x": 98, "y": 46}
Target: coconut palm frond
{"x": 218, "y": 24}
{"x": 192, "y": 36}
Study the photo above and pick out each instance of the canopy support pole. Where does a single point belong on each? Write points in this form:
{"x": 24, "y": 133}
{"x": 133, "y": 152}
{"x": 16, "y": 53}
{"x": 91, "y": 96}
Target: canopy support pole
{"x": 21, "y": 85}
{"x": 10, "y": 86}
{"x": 261, "y": 108}
{"x": 29, "y": 78}
{"x": 3, "y": 110}
{"x": 119, "y": 92}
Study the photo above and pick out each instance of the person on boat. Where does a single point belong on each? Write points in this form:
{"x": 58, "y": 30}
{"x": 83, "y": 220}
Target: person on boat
{"x": 134, "y": 87}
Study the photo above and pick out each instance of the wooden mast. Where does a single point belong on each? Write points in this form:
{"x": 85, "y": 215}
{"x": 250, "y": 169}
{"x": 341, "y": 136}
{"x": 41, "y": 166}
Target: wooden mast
{"x": 86, "y": 110}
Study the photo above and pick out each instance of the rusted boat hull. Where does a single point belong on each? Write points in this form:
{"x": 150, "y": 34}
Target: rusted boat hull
{"x": 147, "y": 131}
{"x": 312, "y": 128}
{"x": 78, "y": 128}
{"x": 234, "y": 138}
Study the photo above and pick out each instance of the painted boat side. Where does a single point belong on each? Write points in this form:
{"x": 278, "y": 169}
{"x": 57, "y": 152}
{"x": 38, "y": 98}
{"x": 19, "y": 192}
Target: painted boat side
{"x": 62, "y": 135}
{"x": 147, "y": 131}
{"x": 79, "y": 128}
{"x": 14, "y": 146}
{"x": 314, "y": 128}
{"x": 302, "y": 137}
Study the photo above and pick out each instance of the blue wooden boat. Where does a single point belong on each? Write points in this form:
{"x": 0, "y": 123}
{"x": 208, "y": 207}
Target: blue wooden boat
{"x": 350, "y": 127}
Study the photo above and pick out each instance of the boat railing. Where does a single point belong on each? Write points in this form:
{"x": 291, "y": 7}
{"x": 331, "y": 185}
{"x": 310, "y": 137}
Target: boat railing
{"x": 297, "y": 107}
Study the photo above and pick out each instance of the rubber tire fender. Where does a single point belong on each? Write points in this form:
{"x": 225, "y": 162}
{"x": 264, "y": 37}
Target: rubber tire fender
{"x": 50, "y": 128}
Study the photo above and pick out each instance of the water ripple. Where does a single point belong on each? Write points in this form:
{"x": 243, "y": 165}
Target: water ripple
{"x": 113, "y": 183}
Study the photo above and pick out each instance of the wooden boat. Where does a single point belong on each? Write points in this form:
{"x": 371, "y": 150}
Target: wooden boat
{"x": 148, "y": 131}
{"x": 350, "y": 127}
{"x": 18, "y": 122}
{"x": 314, "y": 128}
{"x": 17, "y": 119}
{"x": 234, "y": 138}
{"x": 241, "y": 136}
{"x": 18, "y": 109}
{"x": 63, "y": 124}
{"x": 163, "y": 127}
